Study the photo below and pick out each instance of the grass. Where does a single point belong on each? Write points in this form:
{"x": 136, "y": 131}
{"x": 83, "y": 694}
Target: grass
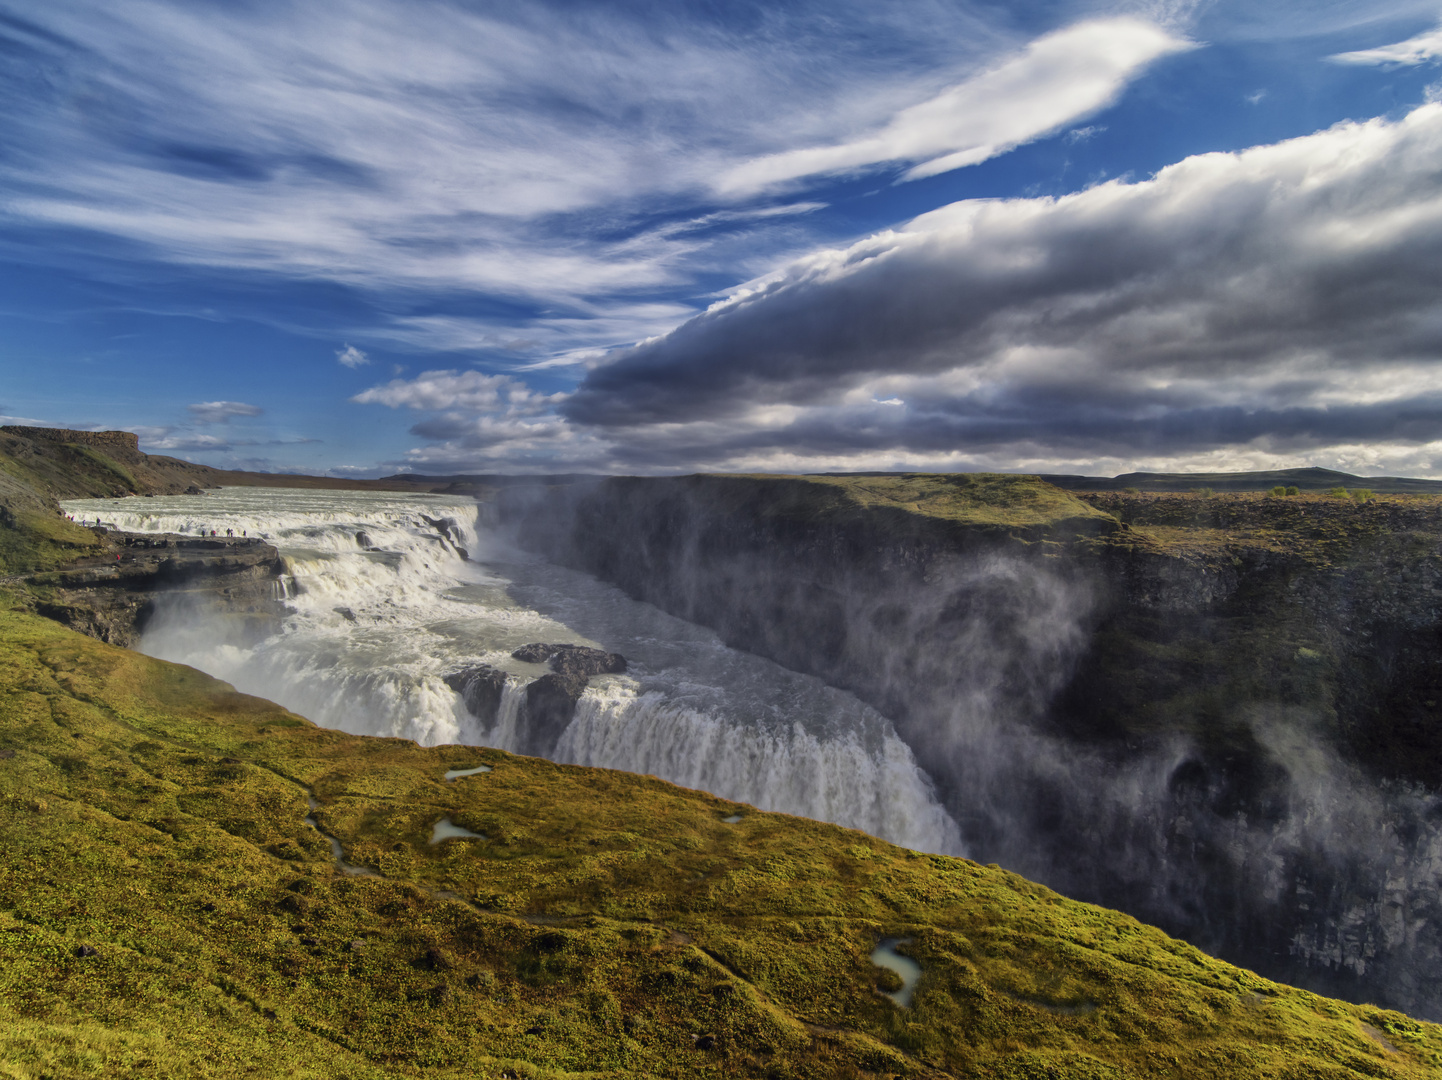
{"x": 891, "y": 501}
{"x": 606, "y": 921}
{"x": 1316, "y": 530}
{"x": 34, "y": 540}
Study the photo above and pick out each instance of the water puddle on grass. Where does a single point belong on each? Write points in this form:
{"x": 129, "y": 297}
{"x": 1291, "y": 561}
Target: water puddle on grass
{"x": 446, "y": 829}
{"x": 907, "y": 969}
{"x": 456, "y": 774}
{"x": 732, "y": 820}
{"x": 336, "y": 851}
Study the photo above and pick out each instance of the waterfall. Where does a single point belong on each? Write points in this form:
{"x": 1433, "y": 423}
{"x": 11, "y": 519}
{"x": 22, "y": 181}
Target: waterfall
{"x": 386, "y": 594}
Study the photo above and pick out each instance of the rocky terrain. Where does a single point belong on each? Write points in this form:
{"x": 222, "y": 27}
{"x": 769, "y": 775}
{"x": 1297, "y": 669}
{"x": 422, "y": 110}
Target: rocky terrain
{"x": 550, "y": 702}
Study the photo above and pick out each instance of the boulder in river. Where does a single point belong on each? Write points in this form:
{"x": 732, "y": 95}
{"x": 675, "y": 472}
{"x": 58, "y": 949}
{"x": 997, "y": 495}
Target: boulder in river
{"x": 548, "y": 710}
{"x": 573, "y": 659}
{"x": 480, "y": 687}
{"x": 550, "y": 703}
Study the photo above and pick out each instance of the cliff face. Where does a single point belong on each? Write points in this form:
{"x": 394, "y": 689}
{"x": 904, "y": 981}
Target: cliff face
{"x": 1219, "y": 713}
{"x": 112, "y": 599}
{"x": 103, "y": 583}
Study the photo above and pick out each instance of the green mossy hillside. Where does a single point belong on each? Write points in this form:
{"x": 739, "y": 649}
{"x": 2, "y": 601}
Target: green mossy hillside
{"x": 987, "y": 502}
{"x": 165, "y": 911}
{"x": 1315, "y": 530}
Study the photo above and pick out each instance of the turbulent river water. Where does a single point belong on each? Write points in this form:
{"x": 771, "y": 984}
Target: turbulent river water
{"x": 387, "y": 593}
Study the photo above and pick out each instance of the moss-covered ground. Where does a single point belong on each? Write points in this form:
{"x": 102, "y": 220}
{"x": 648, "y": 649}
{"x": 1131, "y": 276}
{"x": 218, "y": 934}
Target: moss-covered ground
{"x": 882, "y": 503}
{"x": 1315, "y": 529}
{"x": 166, "y": 912}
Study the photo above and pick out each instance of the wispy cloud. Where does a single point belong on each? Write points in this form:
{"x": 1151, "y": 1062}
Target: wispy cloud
{"x": 1055, "y": 81}
{"x": 564, "y": 159}
{"x": 221, "y": 412}
{"x": 1422, "y": 49}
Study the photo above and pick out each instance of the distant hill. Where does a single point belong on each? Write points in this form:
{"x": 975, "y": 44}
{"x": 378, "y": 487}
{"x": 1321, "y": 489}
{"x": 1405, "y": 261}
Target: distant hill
{"x": 1305, "y": 479}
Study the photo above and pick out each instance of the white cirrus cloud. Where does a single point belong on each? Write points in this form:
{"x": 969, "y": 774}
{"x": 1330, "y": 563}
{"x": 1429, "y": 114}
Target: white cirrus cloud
{"x": 1423, "y": 48}
{"x": 562, "y": 157}
{"x": 221, "y": 412}
{"x": 1055, "y": 81}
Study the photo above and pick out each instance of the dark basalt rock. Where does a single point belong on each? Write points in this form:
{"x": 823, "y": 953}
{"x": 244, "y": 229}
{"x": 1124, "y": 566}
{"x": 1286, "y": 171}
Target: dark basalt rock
{"x": 550, "y": 703}
{"x": 86, "y": 950}
{"x": 573, "y": 659}
{"x": 450, "y": 532}
{"x": 480, "y": 687}
{"x": 548, "y": 710}
{"x": 363, "y": 539}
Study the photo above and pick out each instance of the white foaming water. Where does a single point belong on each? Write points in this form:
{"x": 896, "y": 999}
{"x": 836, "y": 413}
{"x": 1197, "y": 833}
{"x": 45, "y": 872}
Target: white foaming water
{"x": 383, "y": 603}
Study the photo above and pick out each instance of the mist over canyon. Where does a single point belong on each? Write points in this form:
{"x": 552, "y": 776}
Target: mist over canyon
{"x": 1230, "y": 739}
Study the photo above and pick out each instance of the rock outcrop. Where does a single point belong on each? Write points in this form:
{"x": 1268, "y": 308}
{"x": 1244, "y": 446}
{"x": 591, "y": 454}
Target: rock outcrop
{"x": 112, "y": 596}
{"x": 480, "y": 687}
{"x": 580, "y": 661}
{"x": 550, "y": 701}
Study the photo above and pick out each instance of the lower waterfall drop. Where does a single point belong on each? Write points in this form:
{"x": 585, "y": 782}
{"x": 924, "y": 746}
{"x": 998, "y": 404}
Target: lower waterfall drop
{"x": 388, "y": 593}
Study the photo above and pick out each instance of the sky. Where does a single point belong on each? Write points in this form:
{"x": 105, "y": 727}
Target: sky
{"x": 437, "y": 236}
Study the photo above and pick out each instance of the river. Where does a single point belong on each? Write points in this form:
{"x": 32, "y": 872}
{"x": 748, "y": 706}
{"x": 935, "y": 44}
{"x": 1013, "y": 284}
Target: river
{"x": 387, "y": 593}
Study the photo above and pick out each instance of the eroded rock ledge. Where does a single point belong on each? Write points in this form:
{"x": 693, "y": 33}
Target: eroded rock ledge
{"x": 550, "y": 702}
{"x": 112, "y": 596}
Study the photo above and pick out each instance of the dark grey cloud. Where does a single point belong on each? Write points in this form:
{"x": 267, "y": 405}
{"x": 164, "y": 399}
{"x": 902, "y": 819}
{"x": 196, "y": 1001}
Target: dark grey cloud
{"x": 1285, "y": 296}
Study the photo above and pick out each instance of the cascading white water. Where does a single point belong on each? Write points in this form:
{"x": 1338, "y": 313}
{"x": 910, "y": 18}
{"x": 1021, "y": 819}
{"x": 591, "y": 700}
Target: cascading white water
{"x": 383, "y": 602}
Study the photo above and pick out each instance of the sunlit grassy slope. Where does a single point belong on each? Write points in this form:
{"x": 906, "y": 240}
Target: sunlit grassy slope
{"x": 887, "y": 502}
{"x": 603, "y": 926}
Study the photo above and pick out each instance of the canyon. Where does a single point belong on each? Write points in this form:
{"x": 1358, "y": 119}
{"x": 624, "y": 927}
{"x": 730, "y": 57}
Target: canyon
{"x": 1216, "y": 712}
{"x": 1211, "y": 711}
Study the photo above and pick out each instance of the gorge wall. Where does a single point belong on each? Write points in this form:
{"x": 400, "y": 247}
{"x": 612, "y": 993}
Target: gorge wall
{"x": 1218, "y": 713}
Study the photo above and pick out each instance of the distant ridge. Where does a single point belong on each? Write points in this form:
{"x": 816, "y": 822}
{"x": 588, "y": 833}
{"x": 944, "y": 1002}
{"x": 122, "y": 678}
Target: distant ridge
{"x": 1304, "y": 479}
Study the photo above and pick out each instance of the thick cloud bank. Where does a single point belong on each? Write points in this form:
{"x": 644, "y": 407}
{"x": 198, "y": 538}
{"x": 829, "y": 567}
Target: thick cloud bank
{"x": 1283, "y": 298}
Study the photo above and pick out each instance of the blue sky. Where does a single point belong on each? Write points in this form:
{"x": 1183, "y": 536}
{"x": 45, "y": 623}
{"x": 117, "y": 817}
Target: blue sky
{"x": 654, "y": 237}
